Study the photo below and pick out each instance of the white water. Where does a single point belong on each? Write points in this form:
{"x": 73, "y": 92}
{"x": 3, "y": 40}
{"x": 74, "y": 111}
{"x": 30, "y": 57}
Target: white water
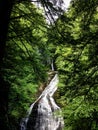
{"x": 44, "y": 114}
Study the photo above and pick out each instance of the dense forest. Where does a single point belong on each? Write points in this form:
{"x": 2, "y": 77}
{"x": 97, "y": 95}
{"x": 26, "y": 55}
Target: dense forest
{"x": 31, "y": 44}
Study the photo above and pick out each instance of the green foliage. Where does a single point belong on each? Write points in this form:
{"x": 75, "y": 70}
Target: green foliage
{"x": 25, "y": 65}
{"x": 76, "y": 61}
{"x": 28, "y": 30}
{"x": 72, "y": 44}
{"x": 19, "y": 74}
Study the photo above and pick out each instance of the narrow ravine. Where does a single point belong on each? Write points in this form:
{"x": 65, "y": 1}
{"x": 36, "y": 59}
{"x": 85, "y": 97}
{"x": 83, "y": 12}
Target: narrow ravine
{"x": 44, "y": 114}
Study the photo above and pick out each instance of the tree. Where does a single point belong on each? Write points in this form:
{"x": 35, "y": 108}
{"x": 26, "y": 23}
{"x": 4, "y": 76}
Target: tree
{"x": 76, "y": 60}
{"x": 24, "y": 66}
{"x": 5, "y": 12}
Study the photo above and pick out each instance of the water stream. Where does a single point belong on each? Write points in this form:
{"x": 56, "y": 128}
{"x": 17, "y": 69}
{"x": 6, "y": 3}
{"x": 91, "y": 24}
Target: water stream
{"x": 44, "y": 114}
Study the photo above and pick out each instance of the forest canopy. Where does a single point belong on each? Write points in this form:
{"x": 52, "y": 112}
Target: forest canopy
{"x": 70, "y": 43}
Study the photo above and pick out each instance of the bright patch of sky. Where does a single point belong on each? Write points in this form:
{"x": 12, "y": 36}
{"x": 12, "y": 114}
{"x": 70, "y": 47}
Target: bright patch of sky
{"x": 64, "y": 7}
{"x": 67, "y": 3}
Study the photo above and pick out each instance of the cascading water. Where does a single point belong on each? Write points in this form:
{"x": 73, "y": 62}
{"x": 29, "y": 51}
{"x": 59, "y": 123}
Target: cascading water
{"x": 44, "y": 114}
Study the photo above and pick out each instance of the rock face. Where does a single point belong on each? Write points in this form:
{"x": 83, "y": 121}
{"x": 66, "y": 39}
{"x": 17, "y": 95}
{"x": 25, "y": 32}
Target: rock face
{"x": 44, "y": 114}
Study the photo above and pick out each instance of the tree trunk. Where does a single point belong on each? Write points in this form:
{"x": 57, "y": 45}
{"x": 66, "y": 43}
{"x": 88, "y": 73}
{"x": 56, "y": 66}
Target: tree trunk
{"x": 5, "y": 11}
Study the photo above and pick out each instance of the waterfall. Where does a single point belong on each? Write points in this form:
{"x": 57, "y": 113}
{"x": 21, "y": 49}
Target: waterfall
{"x": 52, "y": 65}
{"x": 44, "y": 114}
